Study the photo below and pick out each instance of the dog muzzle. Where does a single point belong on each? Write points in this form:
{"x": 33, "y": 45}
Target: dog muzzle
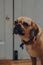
{"x": 18, "y": 30}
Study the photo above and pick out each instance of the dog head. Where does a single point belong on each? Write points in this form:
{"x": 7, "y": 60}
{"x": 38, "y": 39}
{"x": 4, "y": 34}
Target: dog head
{"x": 26, "y": 28}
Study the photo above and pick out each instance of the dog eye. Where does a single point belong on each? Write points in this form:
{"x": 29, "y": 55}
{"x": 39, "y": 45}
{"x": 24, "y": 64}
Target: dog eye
{"x": 25, "y": 24}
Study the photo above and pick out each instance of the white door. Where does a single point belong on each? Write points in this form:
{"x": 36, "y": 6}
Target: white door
{"x": 2, "y": 30}
{"x": 6, "y": 29}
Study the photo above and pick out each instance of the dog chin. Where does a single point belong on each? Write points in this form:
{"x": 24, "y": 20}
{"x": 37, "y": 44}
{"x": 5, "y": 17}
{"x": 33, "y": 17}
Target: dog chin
{"x": 19, "y": 33}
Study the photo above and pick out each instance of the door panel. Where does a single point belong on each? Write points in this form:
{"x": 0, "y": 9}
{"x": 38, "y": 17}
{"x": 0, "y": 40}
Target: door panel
{"x": 2, "y": 22}
{"x": 2, "y": 30}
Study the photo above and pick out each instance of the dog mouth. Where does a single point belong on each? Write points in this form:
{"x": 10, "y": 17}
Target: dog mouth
{"x": 18, "y": 30}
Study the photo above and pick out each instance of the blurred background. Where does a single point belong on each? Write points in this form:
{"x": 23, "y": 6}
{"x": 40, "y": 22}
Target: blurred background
{"x": 9, "y": 43}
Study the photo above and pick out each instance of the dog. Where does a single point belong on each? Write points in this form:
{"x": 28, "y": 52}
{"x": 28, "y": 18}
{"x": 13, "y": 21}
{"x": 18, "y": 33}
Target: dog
{"x": 31, "y": 35}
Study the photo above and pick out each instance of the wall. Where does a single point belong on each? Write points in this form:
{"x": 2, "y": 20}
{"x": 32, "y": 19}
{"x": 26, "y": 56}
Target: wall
{"x": 34, "y": 9}
{"x": 29, "y": 8}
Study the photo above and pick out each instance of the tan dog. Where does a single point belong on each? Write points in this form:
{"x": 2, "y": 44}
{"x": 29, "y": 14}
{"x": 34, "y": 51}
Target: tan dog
{"x": 31, "y": 35}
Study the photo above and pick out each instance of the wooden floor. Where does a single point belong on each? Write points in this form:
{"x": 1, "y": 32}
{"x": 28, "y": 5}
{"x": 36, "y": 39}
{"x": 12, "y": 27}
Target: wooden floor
{"x": 18, "y": 62}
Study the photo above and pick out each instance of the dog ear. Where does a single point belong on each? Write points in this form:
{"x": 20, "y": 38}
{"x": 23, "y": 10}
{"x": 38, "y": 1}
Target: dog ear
{"x": 35, "y": 29}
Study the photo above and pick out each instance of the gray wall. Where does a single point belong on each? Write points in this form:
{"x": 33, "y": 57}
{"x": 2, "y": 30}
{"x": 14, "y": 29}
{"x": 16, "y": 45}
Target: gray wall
{"x": 34, "y": 9}
{"x": 29, "y": 8}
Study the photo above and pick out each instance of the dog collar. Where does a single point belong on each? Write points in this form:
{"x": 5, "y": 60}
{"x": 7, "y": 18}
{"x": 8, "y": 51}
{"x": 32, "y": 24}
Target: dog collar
{"x": 29, "y": 42}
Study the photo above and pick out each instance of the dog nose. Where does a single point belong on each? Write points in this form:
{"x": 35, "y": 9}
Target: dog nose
{"x": 17, "y": 26}
{"x": 16, "y": 22}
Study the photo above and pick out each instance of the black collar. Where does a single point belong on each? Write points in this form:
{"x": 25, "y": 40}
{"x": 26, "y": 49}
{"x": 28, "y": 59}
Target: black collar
{"x": 29, "y": 42}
